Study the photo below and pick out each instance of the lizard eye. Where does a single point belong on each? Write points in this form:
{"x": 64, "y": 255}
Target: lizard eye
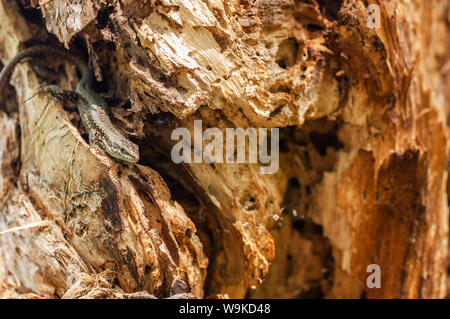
{"x": 127, "y": 154}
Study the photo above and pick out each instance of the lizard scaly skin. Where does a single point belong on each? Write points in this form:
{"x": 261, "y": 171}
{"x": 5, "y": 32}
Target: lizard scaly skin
{"x": 94, "y": 111}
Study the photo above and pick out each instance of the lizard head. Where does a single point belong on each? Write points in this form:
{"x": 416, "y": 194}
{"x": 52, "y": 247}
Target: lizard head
{"x": 122, "y": 149}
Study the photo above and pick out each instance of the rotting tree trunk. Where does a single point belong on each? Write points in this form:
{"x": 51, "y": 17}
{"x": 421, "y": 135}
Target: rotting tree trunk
{"x": 363, "y": 116}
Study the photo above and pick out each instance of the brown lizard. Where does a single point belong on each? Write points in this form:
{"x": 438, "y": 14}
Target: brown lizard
{"x": 94, "y": 111}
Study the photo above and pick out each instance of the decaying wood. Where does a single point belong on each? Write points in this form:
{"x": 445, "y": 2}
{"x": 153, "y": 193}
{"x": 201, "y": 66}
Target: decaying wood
{"x": 364, "y": 125}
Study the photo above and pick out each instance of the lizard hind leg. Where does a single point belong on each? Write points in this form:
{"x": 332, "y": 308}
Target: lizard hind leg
{"x": 59, "y": 93}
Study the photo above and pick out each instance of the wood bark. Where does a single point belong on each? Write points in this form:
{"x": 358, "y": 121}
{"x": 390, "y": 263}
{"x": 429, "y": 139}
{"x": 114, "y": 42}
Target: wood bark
{"x": 363, "y": 179}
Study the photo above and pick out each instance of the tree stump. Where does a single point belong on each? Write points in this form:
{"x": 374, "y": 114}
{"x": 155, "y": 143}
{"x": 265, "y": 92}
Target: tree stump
{"x": 362, "y": 108}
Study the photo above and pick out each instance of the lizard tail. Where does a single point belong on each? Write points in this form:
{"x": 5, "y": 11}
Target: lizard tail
{"x": 38, "y": 51}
